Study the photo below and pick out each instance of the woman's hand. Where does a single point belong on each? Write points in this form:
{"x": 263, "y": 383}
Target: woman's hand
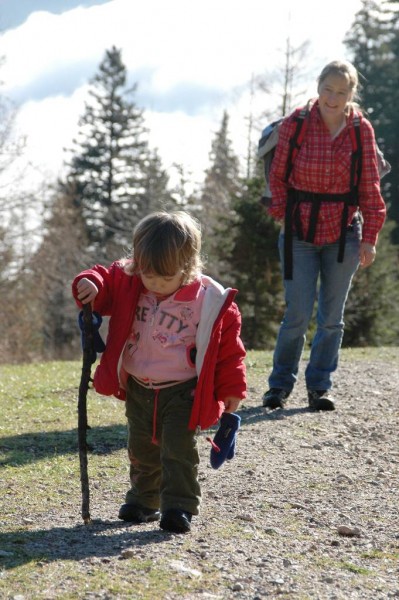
{"x": 87, "y": 290}
{"x": 367, "y": 254}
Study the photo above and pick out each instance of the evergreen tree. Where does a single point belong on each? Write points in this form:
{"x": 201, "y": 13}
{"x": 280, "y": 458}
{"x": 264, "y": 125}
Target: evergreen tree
{"x": 155, "y": 194}
{"x": 221, "y": 185}
{"x": 255, "y": 267}
{"x": 113, "y": 175}
{"x": 252, "y": 253}
{"x": 374, "y": 44}
{"x": 372, "y": 309}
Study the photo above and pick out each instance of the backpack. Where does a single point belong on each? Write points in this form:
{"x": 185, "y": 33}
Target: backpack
{"x": 268, "y": 142}
{"x": 266, "y": 149}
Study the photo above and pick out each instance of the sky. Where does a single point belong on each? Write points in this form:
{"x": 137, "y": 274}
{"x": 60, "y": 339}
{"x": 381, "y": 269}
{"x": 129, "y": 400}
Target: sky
{"x": 190, "y": 60}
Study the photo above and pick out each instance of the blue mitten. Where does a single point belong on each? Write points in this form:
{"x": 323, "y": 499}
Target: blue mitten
{"x": 224, "y": 442}
{"x": 98, "y": 343}
{"x": 232, "y": 450}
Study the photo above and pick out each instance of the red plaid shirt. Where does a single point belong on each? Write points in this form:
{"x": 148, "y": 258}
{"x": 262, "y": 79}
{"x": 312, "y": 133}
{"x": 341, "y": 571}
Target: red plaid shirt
{"x": 322, "y": 166}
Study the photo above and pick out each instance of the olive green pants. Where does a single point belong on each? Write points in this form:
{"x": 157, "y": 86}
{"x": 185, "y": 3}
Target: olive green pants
{"x": 163, "y": 452}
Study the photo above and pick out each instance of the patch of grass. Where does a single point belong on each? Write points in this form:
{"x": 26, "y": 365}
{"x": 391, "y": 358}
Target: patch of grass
{"x": 328, "y": 563}
{"x": 387, "y": 354}
{"x": 129, "y": 578}
{"x": 354, "y": 568}
{"x": 380, "y": 555}
{"x": 259, "y": 360}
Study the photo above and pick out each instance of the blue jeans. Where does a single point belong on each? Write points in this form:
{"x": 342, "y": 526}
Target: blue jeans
{"x": 311, "y": 264}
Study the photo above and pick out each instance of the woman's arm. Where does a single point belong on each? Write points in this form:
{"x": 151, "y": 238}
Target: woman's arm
{"x": 371, "y": 203}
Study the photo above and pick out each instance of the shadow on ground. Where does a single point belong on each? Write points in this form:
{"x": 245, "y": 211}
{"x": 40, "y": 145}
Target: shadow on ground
{"x": 258, "y": 413}
{"x": 27, "y": 448}
{"x": 100, "y": 539}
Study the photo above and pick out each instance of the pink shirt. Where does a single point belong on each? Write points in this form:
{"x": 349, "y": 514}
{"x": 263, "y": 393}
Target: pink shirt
{"x": 161, "y": 345}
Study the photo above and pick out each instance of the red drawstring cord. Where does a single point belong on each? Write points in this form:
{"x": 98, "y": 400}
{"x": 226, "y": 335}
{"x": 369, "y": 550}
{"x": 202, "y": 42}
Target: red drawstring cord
{"x": 214, "y": 446}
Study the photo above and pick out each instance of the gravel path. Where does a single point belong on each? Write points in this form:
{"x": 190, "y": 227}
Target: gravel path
{"x": 308, "y": 509}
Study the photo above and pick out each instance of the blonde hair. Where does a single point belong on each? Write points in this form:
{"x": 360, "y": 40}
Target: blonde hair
{"x": 347, "y": 70}
{"x": 165, "y": 243}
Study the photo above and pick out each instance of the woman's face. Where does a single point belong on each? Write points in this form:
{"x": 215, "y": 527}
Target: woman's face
{"x": 334, "y": 95}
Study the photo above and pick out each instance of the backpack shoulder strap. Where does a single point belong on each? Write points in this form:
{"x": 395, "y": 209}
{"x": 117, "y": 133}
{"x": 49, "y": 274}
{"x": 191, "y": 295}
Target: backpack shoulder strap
{"x": 301, "y": 118}
{"x": 356, "y": 161}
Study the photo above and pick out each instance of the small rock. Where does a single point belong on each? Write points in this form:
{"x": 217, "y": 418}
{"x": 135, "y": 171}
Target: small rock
{"x": 128, "y": 553}
{"x": 348, "y": 531}
{"x": 180, "y": 567}
{"x": 287, "y": 562}
{"x": 248, "y": 518}
{"x": 277, "y": 581}
{"x": 298, "y": 505}
{"x": 237, "y": 587}
{"x": 342, "y": 478}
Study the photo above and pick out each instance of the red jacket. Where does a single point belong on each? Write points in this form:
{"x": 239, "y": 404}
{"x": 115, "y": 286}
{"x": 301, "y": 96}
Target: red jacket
{"x": 220, "y": 351}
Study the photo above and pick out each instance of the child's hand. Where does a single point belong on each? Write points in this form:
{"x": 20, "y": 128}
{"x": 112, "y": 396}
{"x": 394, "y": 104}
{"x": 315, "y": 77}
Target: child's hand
{"x": 87, "y": 290}
{"x": 231, "y": 404}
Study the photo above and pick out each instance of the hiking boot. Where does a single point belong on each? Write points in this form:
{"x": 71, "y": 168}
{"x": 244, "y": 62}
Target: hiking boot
{"x": 135, "y": 513}
{"x": 275, "y": 398}
{"x": 320, "y": 400}
{"x": 176, "y": 520}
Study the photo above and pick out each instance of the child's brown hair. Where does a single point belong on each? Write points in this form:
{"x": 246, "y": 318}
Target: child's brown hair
{"x": 165, "y": 243}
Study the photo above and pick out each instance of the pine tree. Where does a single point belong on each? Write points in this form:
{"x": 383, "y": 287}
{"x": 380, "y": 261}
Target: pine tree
{"x": 154, "y": 194}
{"x": 255, "y": 267}
{"x": 113, "y": 173}
{"x": 374, "y": 43}
{"x": 221, "y": 185}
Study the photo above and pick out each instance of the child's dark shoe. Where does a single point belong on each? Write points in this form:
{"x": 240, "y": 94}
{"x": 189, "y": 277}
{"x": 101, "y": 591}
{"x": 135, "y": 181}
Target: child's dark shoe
{"x": 135, "y": 513}
{"x": 224, "y": 442}
{"x": 176, "y": 520}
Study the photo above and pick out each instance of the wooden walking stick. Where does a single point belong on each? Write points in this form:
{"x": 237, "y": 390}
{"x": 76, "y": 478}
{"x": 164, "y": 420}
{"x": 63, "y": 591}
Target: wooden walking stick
{"x": 88, "y": 349}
